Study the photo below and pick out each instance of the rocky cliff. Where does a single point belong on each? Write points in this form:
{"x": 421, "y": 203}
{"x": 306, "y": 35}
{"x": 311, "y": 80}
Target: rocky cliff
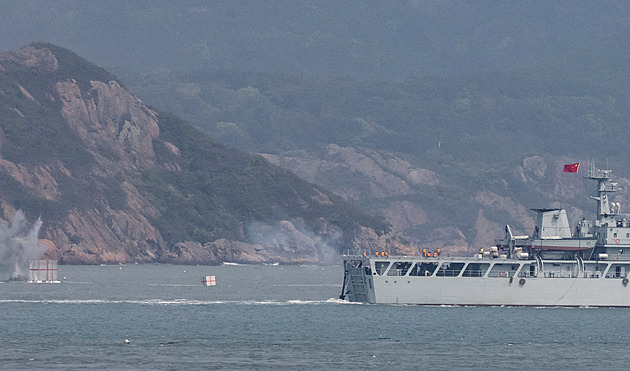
{"x": 116, "y": 182}
{"x": 408, "y": 195}
{"x": 448, "y": 161}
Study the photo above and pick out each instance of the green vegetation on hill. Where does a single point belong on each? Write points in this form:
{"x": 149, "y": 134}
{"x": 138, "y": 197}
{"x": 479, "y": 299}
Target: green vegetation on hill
{"x": 487, "y": 119}
{"x": 473, "y": 130}
{"x": 205, "y": 192}
{"x": 73, "y": 67}
{"x": 219, "y": 191}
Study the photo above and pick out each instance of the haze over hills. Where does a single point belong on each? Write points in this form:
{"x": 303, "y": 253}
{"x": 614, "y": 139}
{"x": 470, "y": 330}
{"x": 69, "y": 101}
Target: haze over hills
{"x": 451, "y": 118}
{"x": 448, "y": 160}
{"x": 366, "y": 39}
{"x": 116, "y": 181}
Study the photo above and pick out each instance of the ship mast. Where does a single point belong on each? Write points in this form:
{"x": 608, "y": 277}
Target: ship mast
{"x": 602, "y": 177}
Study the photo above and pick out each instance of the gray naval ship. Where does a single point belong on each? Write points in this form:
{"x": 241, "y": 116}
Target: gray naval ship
{"x": 555, "y": 266}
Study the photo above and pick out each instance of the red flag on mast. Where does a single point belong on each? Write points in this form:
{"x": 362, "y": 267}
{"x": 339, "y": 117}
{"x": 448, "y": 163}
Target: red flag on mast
{"x": 572, "y": 168}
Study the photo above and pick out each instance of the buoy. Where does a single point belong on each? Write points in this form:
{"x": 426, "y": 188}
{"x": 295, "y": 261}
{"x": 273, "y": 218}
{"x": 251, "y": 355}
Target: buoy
{"x": 617, "y": 240}
{"x": 208, "y": 281}
{"x": 127, "y": 341}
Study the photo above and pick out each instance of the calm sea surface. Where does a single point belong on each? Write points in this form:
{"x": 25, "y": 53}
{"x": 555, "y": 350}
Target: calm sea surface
{"x": 281, "y": 317}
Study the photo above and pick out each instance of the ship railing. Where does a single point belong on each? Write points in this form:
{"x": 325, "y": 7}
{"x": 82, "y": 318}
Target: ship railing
{"x": 615, "y": 275}
{"x": 526, "y": 274}
{"x": 474, "y": 273}
{"x": 448, "y": 273}
{"x": 501, "y": 274}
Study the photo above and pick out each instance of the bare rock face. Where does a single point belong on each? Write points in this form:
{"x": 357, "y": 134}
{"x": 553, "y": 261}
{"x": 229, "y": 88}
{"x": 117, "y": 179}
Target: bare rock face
{"x": 354, "y": 174}
{"x": 237, "y": 252}
{"x": 110, "y": 117}
{"x": 506, "y": 204}
{"x": 405, "y": 214}
{"x": 361, "y": 174}
{"x": 370, "y": 242}
{"x": 102, "y": 215}
{"x": 42, "y": 59}
{"x": 358, "y": 174}
{"x": 118, "y": 130}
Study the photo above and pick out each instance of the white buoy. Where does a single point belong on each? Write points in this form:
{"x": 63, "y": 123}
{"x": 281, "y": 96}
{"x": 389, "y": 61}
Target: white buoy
{"x": 127, "y": 341}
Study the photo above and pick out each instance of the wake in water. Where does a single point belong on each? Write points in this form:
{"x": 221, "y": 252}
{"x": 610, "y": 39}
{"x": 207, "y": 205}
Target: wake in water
{"x": 18, "y": 245}
{"x": 180, "y": 302}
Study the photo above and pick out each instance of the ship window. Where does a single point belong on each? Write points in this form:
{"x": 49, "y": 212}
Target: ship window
{"x": 476, "y": 269}
{"x": 381, "y": 267}
{"x": 618, "y": 271}
{"x": 528, "y": 271}
{"x": 501, "y": 271}
{"x": 615, "y": 235}
{"x": 423, "y": 269}
{"x": 627, "y": 235}
{"x": 450, "y": 269}
{"x": 399, "y": 269}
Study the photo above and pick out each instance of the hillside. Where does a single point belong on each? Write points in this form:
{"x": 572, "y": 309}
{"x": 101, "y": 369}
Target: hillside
{"x": 448, "y": 160}
{"x": 117, "y": 181}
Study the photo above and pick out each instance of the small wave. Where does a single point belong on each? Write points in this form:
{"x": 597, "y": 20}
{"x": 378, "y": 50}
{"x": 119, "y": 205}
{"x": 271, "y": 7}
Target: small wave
{"x": 172, "y": 285}
{"x": 313, "y": 285}
{"x": 341, "y": 301}
{"x": 175, "y": 302}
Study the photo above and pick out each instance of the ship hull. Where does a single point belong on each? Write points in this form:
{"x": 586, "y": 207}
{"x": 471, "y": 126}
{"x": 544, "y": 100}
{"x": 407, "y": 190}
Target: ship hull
{"x": 572, "y": 292}
{"x": 500, "y": 282}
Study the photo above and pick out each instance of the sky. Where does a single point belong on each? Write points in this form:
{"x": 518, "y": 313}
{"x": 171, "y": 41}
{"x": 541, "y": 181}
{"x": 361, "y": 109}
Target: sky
{"x": 364, "y": 39}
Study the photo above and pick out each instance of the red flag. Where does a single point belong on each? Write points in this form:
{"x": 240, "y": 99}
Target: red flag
{"x": 572, "y": 168}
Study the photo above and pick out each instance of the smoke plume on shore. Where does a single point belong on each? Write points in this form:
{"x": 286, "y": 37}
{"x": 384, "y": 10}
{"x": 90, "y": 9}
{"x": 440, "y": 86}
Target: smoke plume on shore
{"x": 18, "y": 245}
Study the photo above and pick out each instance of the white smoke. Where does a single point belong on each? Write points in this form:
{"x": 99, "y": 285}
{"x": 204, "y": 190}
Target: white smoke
{"x": 18, "y": 245}
{"x": 293, "y": 239}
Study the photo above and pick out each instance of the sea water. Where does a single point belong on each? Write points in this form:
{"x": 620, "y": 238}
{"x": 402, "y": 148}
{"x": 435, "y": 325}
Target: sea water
{"x": 281, "y": 317}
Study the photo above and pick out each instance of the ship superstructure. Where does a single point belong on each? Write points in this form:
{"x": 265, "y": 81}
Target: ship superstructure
{"x": 554, "y": 266}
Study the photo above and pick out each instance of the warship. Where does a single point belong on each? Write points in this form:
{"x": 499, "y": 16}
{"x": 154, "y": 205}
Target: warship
{"x": 555, "y": 266}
